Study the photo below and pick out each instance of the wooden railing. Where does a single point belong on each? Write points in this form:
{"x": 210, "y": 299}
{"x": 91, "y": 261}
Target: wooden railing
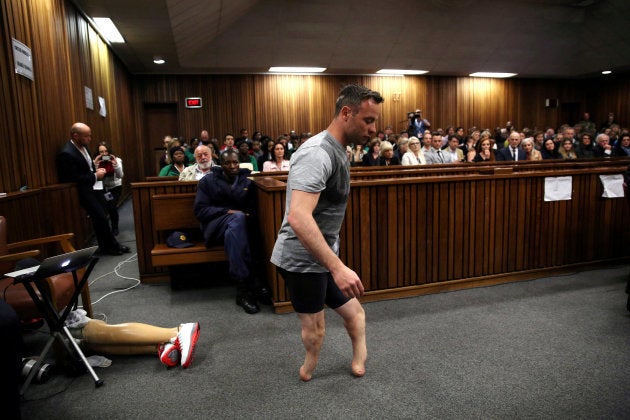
{"x": 443, "y": 227}
{"x": 430, "y": 231}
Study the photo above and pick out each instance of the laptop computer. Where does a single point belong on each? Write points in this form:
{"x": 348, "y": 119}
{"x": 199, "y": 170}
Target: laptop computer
{"x": 55, "y": 265}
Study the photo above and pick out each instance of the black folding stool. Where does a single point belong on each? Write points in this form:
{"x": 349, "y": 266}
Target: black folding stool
{"x": 56, "y": 321}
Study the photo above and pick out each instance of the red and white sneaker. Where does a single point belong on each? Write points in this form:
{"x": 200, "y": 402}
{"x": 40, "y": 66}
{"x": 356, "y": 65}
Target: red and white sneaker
{"x": 169, "y": 354}
{"x": 186, "y": 340}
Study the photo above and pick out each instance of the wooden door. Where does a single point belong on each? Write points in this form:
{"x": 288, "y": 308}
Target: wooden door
{"x": 160, "y": 120}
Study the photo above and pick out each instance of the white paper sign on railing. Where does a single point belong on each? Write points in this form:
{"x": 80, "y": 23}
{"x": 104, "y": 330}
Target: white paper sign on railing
{"x": 558, "y": 188}
{"x": 613, "y": 185}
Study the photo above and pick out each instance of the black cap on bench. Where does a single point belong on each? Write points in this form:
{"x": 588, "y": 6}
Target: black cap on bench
{"x": 178, "y": 240}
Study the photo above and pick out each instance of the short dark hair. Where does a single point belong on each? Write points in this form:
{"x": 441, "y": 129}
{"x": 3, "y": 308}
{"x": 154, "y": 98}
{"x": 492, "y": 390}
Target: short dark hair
{"x": 353, "y": 95}
{"x": 227, "y": 152}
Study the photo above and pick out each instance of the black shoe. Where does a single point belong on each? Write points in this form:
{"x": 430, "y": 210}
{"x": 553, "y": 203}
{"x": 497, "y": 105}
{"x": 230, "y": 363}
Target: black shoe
{"x": 263, "y": 295}
{"x": 123, "y": 249}
{"x": 248, "y": 304}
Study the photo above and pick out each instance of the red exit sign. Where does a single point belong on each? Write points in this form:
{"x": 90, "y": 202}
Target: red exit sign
{"x": 193, "y": 102}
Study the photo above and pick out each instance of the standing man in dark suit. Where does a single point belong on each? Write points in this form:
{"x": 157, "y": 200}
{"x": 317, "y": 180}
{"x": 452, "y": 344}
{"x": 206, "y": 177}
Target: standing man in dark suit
{"x": 74, "y": 164}
{"x": 512, "y": 152}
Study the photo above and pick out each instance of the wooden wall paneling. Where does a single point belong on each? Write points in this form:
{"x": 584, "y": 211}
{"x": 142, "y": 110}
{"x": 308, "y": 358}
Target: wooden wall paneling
{"x": 54, "y": 80}
{"x": 127, "y": 144}
{"x": 557, "y": 227}
{"x": 390, "y": 246}
{"x": 538, "y": 241}
{"x": 347, "y": 228}
{"x": 489, "y": 223}
{"x": 443, "y": 197}
{"x": 447, "y": 100}
{"x": 60, "y": 202}
{"x": 592, "y": 214}
{"x": 578, "y": 217}
{"x": 416, "y": 253}
{"x": 374, "y": 243}
{"x": 450, "y": 230}
{"x": 7, "y": 117}
{"x": 19, "y": 207}
{"x": 512, "y": 244}
{"x": 490, "y": 226}
{"x": 522, "y": 208}
{"x": 30, "y": 135}
{"x": 456, "y": 241}
{"x": 410, "y": 252}
{"x": 570, "y": 245}
{"x": 502, "y": 220}
{"x": 466, "y": 218}
{"x": 449, "y": 222}
{"x": 23, "y": 97}
{"x": 356, "y": 242}
{"x": 529, "y": 209}
{"x": 563, "y": 230}
{"x": 239, "y": 105}
{"x": 423, "y": 225}
{"x": 279, "y": 103}
{"x": 545, "y": 227}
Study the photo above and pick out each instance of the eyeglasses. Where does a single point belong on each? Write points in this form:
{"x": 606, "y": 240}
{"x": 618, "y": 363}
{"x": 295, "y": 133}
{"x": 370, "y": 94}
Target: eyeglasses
{"x": 414, "y": 142}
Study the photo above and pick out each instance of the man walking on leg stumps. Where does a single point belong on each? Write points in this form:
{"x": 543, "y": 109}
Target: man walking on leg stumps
{"x": 306, "y": 251}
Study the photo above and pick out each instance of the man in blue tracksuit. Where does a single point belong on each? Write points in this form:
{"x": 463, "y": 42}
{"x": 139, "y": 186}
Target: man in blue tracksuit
{"x": 226, "y": 207}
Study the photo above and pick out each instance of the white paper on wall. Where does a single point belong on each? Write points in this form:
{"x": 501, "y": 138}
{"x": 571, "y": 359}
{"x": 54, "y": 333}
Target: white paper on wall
{"x": 101, "y": 104}
{"x": 89, "y": 99}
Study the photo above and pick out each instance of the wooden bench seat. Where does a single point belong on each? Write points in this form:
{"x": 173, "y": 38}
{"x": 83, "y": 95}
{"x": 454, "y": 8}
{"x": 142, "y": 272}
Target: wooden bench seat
{"x": 163, "y": 255}
{"x": 174, "y": 212}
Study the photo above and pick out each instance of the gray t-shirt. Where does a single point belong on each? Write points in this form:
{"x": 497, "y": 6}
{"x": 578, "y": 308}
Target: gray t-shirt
{"x": 320, "y": 165}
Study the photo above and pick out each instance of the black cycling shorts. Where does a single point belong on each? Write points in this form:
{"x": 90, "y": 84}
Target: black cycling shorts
{"x": 310, "y": 291}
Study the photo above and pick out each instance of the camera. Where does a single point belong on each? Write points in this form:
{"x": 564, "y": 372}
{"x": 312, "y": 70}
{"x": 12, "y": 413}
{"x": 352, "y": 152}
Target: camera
{"x": 105, "y": 158}
{"x": 43, "y": 373}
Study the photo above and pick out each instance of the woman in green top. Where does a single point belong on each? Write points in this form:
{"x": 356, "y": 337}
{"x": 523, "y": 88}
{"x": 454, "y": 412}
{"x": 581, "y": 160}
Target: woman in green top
{"x": 178, "y": 162}
{"x": 244, "y": 156}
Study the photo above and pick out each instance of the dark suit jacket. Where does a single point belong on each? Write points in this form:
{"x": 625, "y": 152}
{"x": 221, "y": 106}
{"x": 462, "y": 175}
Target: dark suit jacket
{"x": 506, "y": 154}
{"x": 72, "y": 167}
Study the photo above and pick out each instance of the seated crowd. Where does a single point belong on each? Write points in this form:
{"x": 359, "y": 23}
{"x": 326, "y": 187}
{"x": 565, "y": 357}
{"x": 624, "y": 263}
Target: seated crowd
{"x": 418, "y": 146}
{"x": 415, "y": 146}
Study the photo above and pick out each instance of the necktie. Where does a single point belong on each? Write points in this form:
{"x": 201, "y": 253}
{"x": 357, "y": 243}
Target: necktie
{"x": 440, "y": 156}
{"x": 514, "y": 154}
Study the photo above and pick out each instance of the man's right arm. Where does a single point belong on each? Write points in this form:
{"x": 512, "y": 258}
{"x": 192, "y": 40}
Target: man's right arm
{"x": 206, "y": 207}
{"x": 301, "y": 219}
{"x": 69, "y": 171}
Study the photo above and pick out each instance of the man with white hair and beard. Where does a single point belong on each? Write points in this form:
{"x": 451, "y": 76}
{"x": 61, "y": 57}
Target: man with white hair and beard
{"x": 203, "y": 163}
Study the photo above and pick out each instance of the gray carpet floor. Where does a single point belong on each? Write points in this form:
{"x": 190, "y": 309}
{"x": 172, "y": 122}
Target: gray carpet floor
{"x": 547, "y": 348}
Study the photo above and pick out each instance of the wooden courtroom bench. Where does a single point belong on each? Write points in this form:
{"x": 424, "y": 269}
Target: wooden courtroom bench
{"x": 174, "y": 212}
